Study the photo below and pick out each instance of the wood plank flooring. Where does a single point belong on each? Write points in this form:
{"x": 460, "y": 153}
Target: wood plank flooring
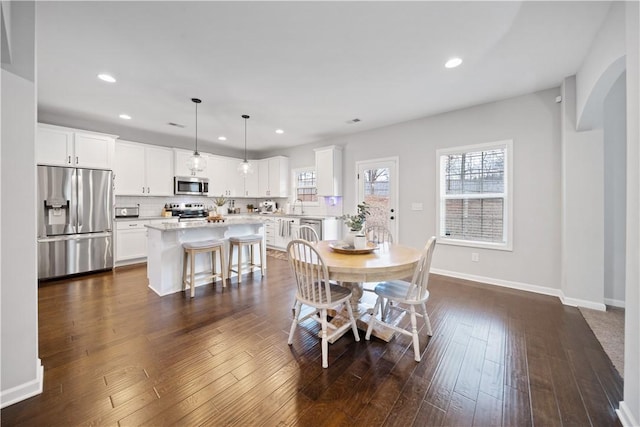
{"x": 115, "y": 353}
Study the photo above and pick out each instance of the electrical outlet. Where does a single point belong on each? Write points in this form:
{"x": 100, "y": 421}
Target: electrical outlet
{"x": 475, "y": 257}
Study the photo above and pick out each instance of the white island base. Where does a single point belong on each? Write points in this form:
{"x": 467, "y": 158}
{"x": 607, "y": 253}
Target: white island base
{"x": 165, "y": 254}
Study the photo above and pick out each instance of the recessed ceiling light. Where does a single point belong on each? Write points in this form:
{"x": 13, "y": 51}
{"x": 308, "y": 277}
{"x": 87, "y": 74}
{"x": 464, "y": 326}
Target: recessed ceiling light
{"x": 222, "y": 138}
{"x": 453, "y": 63}
{"x": 107, "y": 78}
{"x": 279, "y": 131}
{"x": 125, "y": 116}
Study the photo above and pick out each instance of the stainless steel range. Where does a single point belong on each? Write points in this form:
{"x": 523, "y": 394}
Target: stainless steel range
{"x": 189, "y": 211}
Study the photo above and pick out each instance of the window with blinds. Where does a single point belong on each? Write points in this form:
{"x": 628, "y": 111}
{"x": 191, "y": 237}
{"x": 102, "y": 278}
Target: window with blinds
{"x": 474, "y": 195}
{"x": 306, "y": 185}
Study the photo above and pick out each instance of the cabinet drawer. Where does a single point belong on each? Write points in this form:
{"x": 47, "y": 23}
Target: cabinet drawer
{"x": 131, "y": 225}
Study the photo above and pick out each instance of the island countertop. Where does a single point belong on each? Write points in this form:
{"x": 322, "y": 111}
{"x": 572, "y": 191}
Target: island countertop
{"x": 203, "y": 224}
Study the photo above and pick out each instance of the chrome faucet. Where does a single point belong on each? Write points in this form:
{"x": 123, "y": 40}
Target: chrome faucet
{"x": 301, "y": 206}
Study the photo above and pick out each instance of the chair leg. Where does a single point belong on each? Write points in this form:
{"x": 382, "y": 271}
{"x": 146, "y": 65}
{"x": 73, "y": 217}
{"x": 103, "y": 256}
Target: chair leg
{"x": 354, "y": 325}
{"x": 427, "y": 322}
{"x": 239, "y": 264}
{"x": 261, "y": 259}
{"x": 185, "y": 259}
{"x": 294, "y": 323}
{"x": 223, "y": 268}
{"x": 230, "y": 260}
{"x": 214, "y": 269}
{"x": 373, "y": 319}
{"x": 414, "y": 333}
{"x": 192, "y": 274}
{"x": 325, "y": 342}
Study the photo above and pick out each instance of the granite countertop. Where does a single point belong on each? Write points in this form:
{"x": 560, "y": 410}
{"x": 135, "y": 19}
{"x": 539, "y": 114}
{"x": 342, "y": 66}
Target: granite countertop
{"x": 203, "y": 224}
{"x": 143, "y": 218}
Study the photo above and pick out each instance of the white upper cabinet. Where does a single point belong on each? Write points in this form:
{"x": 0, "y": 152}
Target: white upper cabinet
{"x": 252, "y": 180}
{"x": 224, "y": 178}
{"x": 60, "y": 146}
{"x": 273, "y": 177}
{"x": 143, "y": 170}
{"x": 181, "y": 158}
{"x": 329, "y": 171}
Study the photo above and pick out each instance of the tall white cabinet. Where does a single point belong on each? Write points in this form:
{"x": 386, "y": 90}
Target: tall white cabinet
{"x": 273, "y": 177}
{"x": 143, "y": 170}
{"x": 61, "y": 146}
{"x": 329, "y": 170}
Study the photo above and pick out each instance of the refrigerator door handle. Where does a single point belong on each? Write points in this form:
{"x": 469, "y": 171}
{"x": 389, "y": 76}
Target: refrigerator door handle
{"x": 74, "y": 237}
{"x": 79, "y": 203}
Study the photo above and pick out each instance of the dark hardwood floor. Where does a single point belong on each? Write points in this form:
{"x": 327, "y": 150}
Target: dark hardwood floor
{"x": 117, "y": 354}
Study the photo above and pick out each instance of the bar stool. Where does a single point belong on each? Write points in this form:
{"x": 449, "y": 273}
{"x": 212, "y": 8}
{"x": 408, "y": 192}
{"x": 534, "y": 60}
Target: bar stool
{"x": 240, "y": 242}
{"x": 191, "y": 249}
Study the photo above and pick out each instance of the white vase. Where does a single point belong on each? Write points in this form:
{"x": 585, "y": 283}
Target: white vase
{"x": 348, "y": 239}
{"x": 359, "y": 241}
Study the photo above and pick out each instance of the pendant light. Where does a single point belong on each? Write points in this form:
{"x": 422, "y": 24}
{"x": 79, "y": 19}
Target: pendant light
{"x": 196, "y": 163}
{"x": 245, "y": 167}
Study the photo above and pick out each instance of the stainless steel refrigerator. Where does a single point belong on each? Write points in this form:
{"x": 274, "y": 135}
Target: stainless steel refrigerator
{"x": 75, "y": 227}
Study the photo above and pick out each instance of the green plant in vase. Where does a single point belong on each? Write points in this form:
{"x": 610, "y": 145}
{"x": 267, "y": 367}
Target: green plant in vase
{"x": 219, "y": 202}
{"x": 356, "y": 222}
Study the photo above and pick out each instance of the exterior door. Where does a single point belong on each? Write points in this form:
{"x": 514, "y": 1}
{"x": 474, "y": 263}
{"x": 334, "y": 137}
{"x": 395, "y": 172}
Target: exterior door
{"x": 378, "y": 186}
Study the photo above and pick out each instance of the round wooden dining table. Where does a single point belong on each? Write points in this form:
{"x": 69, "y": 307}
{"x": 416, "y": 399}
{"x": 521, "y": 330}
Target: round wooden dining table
{"x": 387, "y": 262}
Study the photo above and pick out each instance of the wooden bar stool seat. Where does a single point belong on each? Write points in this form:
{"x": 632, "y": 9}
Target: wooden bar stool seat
{"x": 240, "y": 242}
{"x": 192, "y": 249}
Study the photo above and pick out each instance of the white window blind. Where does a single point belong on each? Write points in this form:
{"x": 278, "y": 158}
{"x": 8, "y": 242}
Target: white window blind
{"x": 474, "y": 199}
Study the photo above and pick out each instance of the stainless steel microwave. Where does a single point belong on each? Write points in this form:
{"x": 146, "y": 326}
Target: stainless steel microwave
{"x": 191, "y": 185}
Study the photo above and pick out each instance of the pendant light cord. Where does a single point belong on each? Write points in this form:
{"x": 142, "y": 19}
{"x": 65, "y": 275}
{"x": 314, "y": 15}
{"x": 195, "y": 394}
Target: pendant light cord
{"x": 245, "y": 117}
{"x": 196, "y": 101}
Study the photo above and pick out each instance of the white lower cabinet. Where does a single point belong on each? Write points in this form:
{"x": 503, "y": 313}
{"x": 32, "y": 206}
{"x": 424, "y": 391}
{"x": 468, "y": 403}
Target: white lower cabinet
{"x": 131, "y": 239}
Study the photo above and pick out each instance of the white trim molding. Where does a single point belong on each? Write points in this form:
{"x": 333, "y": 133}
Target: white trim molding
{"x": 625, "y": 416}
{"x": 24, "y": 391}
{"x": 543, "y": 290}
{"x": 614, "y": 302}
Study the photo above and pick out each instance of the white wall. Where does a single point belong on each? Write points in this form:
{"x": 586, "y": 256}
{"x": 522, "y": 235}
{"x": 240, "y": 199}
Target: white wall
{"x": 21, "y": 371}
{"x": 601, "y": 68}
{"x": 615, "y": 170}
{"x": 532, "y": 121}
{"x": 582, "y": 209}
{"x": 630, "y": 407}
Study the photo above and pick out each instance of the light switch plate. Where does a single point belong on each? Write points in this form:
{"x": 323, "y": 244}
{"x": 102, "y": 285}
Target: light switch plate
{"x": 416, "y": 206}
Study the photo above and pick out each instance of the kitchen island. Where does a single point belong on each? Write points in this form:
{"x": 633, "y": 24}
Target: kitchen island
{"x": 164, "y": 247}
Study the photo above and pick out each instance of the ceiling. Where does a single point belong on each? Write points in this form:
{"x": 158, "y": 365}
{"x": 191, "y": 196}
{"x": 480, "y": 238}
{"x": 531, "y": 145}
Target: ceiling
{"x": 308, "y": 68}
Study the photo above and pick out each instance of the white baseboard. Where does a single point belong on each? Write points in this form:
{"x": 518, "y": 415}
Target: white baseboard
{"x": 614, "y": 302}
{"x": 24, "y": 391}
{"x": 625, "y": 416}
{"x": 499, "y": 282}
{"x": 574, "y": 302}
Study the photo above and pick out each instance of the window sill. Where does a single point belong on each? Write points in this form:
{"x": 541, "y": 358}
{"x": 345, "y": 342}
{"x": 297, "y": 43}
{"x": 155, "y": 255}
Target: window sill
{"x": 471, "y": 244}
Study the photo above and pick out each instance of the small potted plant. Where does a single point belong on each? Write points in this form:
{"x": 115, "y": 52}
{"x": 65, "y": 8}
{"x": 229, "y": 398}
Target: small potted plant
{"x": 219, "y": 202}
{"x": 356, "y": 225}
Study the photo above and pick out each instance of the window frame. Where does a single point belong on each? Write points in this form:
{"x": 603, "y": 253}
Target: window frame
{"x": 294, "y": 184}
{"x": 441, "y": 196}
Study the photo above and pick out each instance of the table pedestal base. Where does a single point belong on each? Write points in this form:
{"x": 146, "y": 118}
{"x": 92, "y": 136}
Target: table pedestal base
{"x": 362, "y": 315}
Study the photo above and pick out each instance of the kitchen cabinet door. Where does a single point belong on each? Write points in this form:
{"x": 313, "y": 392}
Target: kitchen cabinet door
{"x": 329, "y": 171}
{"x": 263, "y": 177}
{"x": 217, "y": 172}
{"x": 234, "y": 181}
{"x": 54, "y": 146}
{"x": 159, "y": 171}
{"x": 93, "y": 151}
{"x": 252, "y": 181}
{"x": 278, "y": 177}
{"x": 129, "y": 169}
{"x": 131, "y": 240}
